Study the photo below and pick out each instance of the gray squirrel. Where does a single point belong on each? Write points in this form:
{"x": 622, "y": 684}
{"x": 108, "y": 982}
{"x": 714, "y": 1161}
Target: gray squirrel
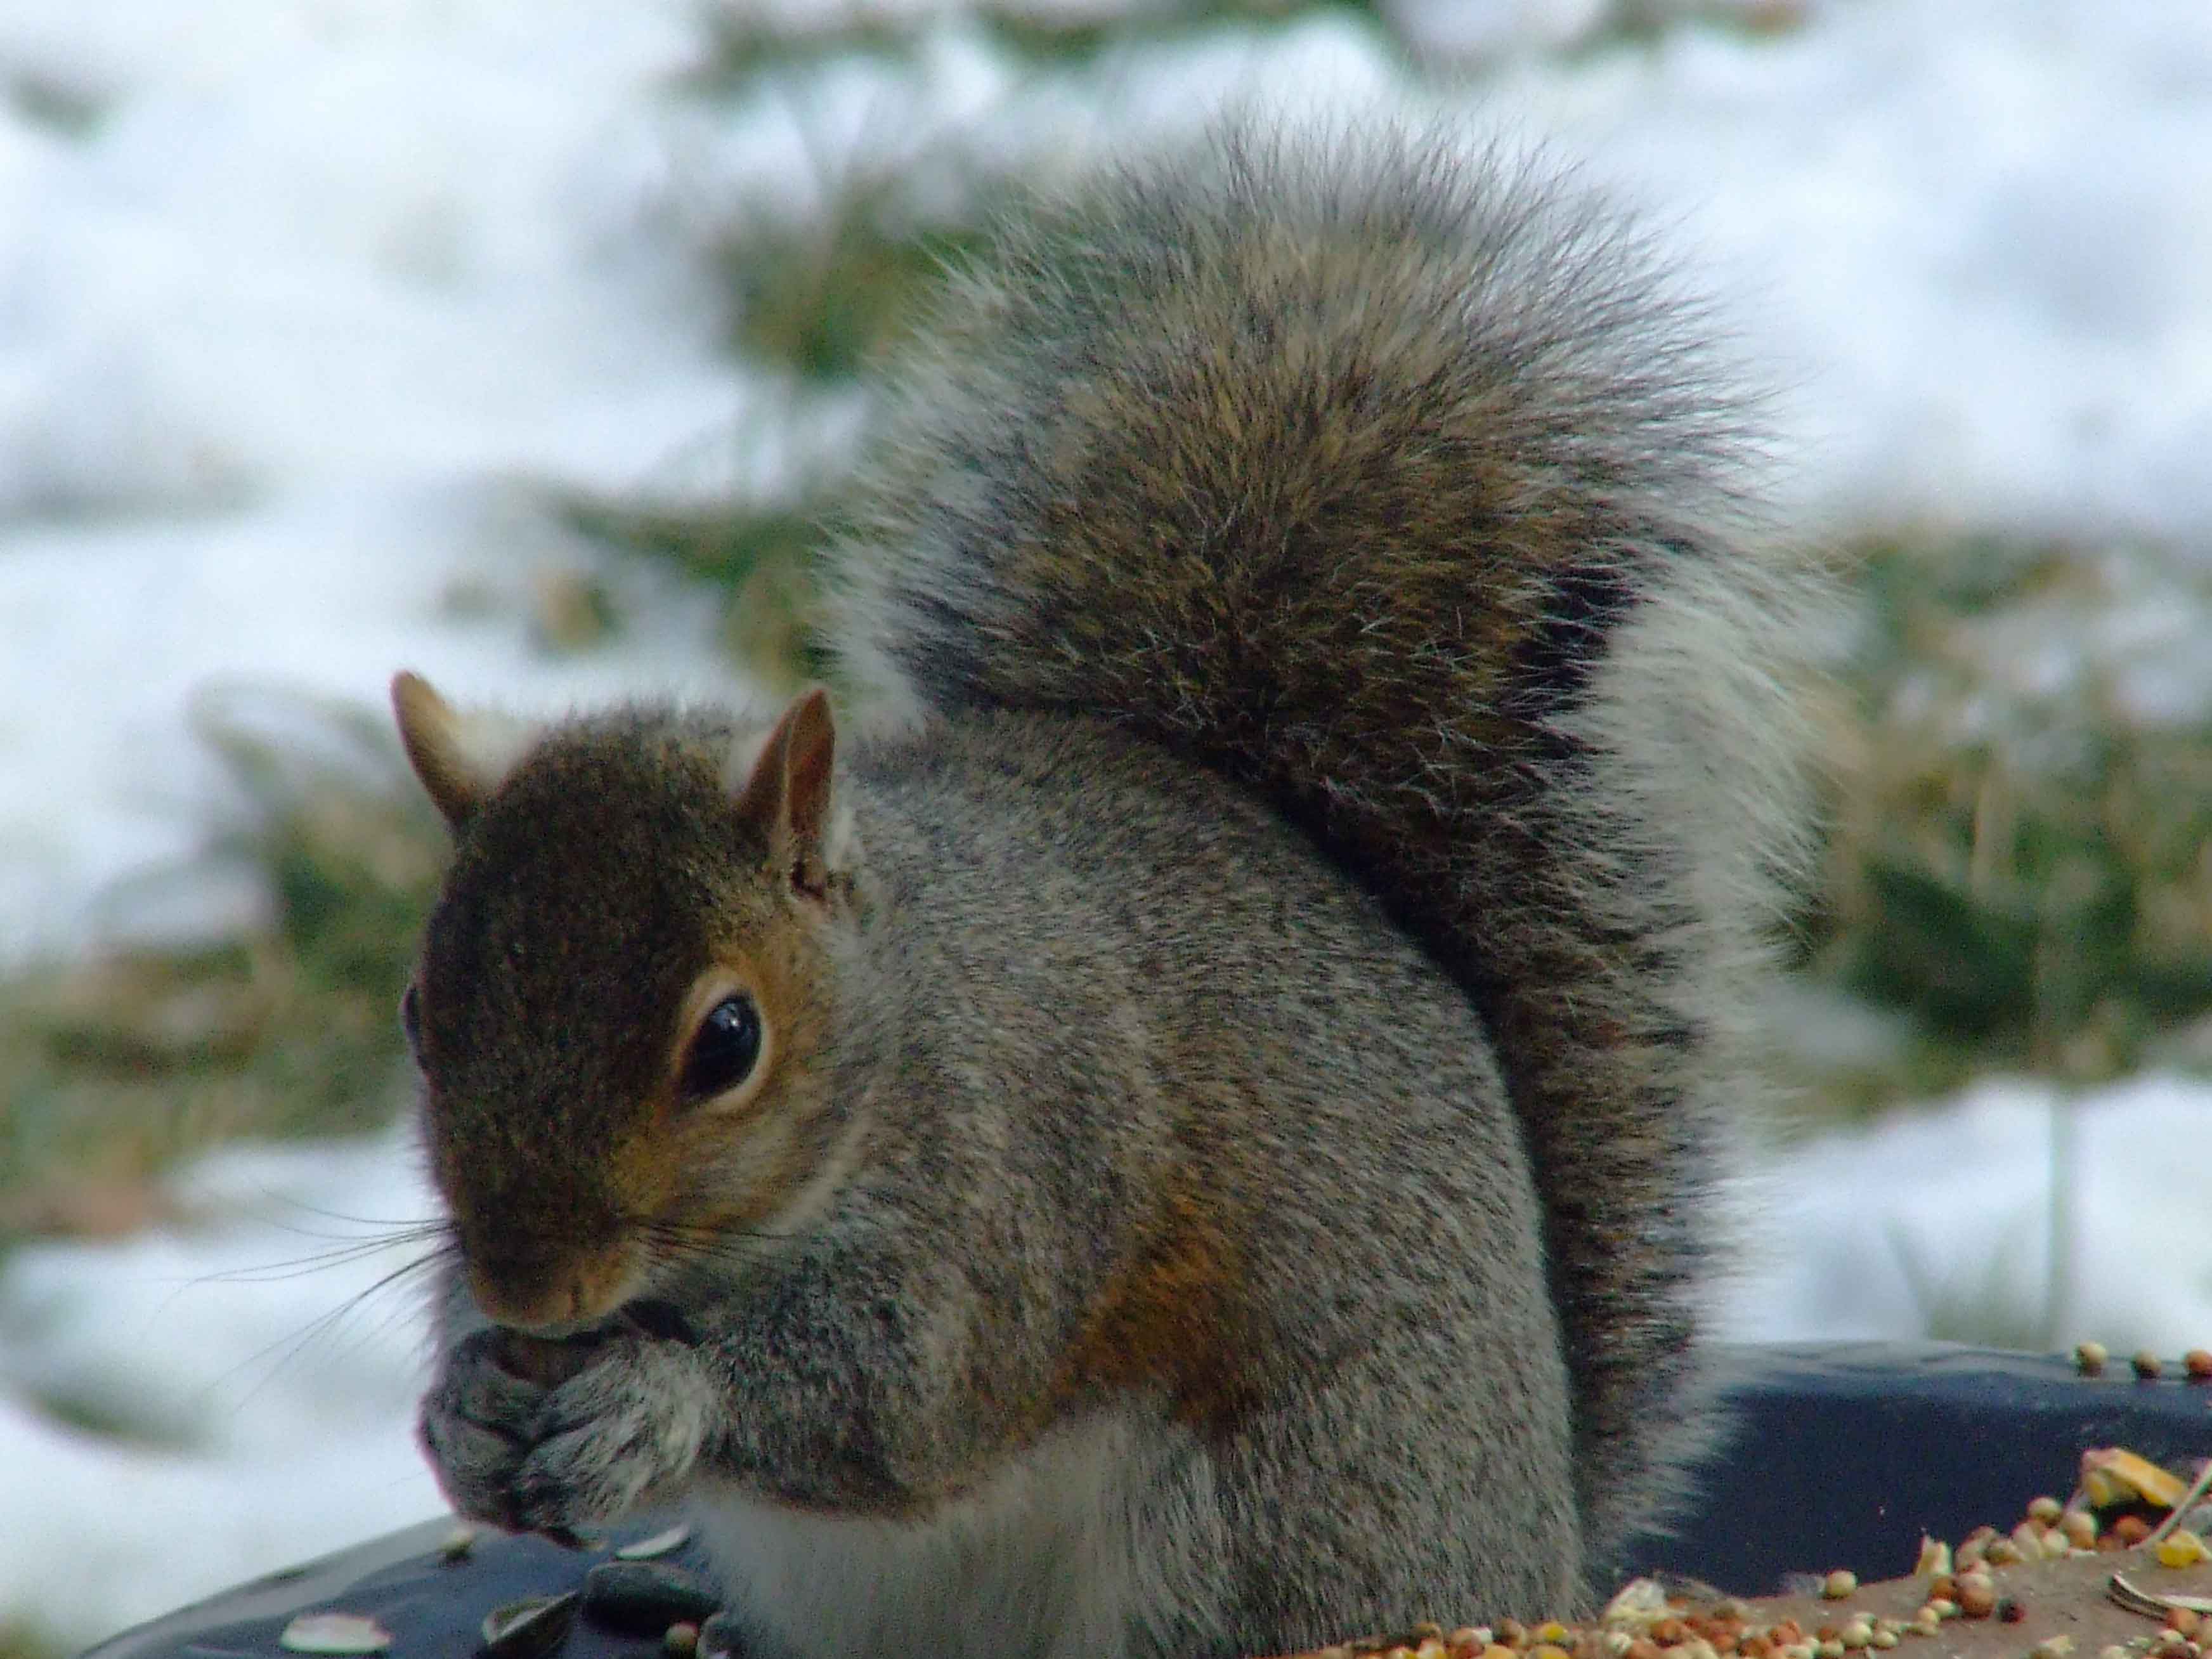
{"x": 1195, "y": 1131}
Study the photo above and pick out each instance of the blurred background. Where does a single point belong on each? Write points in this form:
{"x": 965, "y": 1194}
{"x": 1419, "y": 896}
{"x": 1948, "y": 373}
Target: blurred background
{"x": 525, "y": 342}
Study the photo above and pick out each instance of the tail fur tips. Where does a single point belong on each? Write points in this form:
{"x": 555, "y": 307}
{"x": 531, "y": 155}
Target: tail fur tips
{"x": 1405, "y": 488}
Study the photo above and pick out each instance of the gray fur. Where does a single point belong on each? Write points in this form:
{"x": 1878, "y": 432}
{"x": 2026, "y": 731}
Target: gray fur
{"x": 1405, "y": 488}
{"x": 1279, "y": 985}
{"x": 1083, "y": 975}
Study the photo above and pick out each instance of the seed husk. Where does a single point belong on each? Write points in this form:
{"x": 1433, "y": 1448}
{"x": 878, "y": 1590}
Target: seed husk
{"x": 529, "y": 1628}
{"x": 334, "y": 1633}
{"x": 659, "y": 1544}
{"x": 645, "y": 1597}
{"x": 2112, "y": 1474}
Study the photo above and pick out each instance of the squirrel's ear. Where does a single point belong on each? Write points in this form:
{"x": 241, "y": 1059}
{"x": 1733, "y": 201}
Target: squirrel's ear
{"x": 460, "y": 758}
{"x": 787, "y": 790}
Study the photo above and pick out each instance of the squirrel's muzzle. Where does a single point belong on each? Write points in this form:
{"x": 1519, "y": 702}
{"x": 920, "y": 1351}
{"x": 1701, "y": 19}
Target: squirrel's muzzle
{"x": 552, "y": 1299}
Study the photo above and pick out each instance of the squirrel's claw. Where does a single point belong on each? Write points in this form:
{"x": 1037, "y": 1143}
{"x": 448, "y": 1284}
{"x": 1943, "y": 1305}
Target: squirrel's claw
{"x": 474, "y": 1429}
{"x": 517, "y": 1455}
{"x": 628, "y": 1426}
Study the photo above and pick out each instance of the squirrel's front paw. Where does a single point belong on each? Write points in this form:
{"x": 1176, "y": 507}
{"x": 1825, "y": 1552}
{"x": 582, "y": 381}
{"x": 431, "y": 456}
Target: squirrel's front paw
{"x": 477, "y": 1424}
{"x": 619, "y": 1433}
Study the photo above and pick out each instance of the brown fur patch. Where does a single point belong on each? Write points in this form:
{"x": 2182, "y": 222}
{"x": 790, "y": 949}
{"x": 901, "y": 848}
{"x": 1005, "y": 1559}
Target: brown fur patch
{"x": 1171, "y": 1321}
{"x": 580, "y": 1283}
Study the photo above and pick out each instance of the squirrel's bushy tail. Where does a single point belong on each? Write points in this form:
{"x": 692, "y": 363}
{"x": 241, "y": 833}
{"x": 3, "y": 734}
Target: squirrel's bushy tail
{"x": 1401, "y": 487}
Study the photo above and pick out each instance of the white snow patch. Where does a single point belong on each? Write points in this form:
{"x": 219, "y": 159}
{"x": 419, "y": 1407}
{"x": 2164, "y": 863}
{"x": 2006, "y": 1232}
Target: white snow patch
{"x": 280, "y": 339}
{"x": 1947, "y": 1211}
{"x": 326, "y": 592}
{"x": 263, "y": 1377}
{"x": 1965, "y": 238}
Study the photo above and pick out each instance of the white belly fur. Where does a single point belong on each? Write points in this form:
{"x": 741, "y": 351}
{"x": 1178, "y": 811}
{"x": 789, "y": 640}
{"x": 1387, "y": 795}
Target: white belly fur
{"x": 1063, "y": 1552}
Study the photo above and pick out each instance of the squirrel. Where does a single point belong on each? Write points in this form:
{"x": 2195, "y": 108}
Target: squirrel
{"x": 1193, "y": 1129}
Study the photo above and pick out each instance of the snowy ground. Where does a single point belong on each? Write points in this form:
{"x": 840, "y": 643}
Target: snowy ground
{"x": 287, "y": 329}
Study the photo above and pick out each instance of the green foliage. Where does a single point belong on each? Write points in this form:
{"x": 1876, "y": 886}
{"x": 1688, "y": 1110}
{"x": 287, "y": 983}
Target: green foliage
{"x": 72, "y": 111}
{"x": 829, "y": 300}
{"x": 2017, "y": 856}
{"x": 764, "y": 558}
{"x": 113, "y": 1068}
{"x": 742, "y": 48}
{"x": 827, "y": 297}
{"x": 1651, "y": 20}
{"x": 21, "y": 1642}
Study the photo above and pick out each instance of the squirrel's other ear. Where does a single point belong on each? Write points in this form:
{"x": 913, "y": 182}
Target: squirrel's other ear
{"x": 788, "y": 790}
{"x": 460, "y": 758}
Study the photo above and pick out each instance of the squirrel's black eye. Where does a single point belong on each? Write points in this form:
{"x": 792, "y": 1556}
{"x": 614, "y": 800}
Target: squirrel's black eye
{"x": 410, "y": 1021}
{"x": 725, "y": 1050}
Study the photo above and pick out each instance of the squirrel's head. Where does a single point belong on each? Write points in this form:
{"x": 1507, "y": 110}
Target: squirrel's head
{"x": 624, "y": 992}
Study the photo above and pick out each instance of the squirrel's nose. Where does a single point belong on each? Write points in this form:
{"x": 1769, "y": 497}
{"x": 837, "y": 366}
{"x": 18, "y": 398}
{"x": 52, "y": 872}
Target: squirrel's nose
{"x": 550, "y": 1299}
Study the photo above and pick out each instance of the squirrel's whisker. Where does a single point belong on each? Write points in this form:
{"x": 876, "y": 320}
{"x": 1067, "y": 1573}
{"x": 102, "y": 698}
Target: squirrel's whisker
{"x": 287, "y": 1350}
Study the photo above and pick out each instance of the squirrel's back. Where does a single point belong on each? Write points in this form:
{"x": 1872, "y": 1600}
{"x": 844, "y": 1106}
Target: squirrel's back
{"x": 1402, "y": 488}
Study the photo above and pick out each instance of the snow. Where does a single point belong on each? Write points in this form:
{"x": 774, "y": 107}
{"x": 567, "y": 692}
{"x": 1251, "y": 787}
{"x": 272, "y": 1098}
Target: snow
{"x": 304, "y": 303}
{"x": 1946, "y": 1214}
{"x": 278, "y": 338}
{"x": 259, "y": 1374}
